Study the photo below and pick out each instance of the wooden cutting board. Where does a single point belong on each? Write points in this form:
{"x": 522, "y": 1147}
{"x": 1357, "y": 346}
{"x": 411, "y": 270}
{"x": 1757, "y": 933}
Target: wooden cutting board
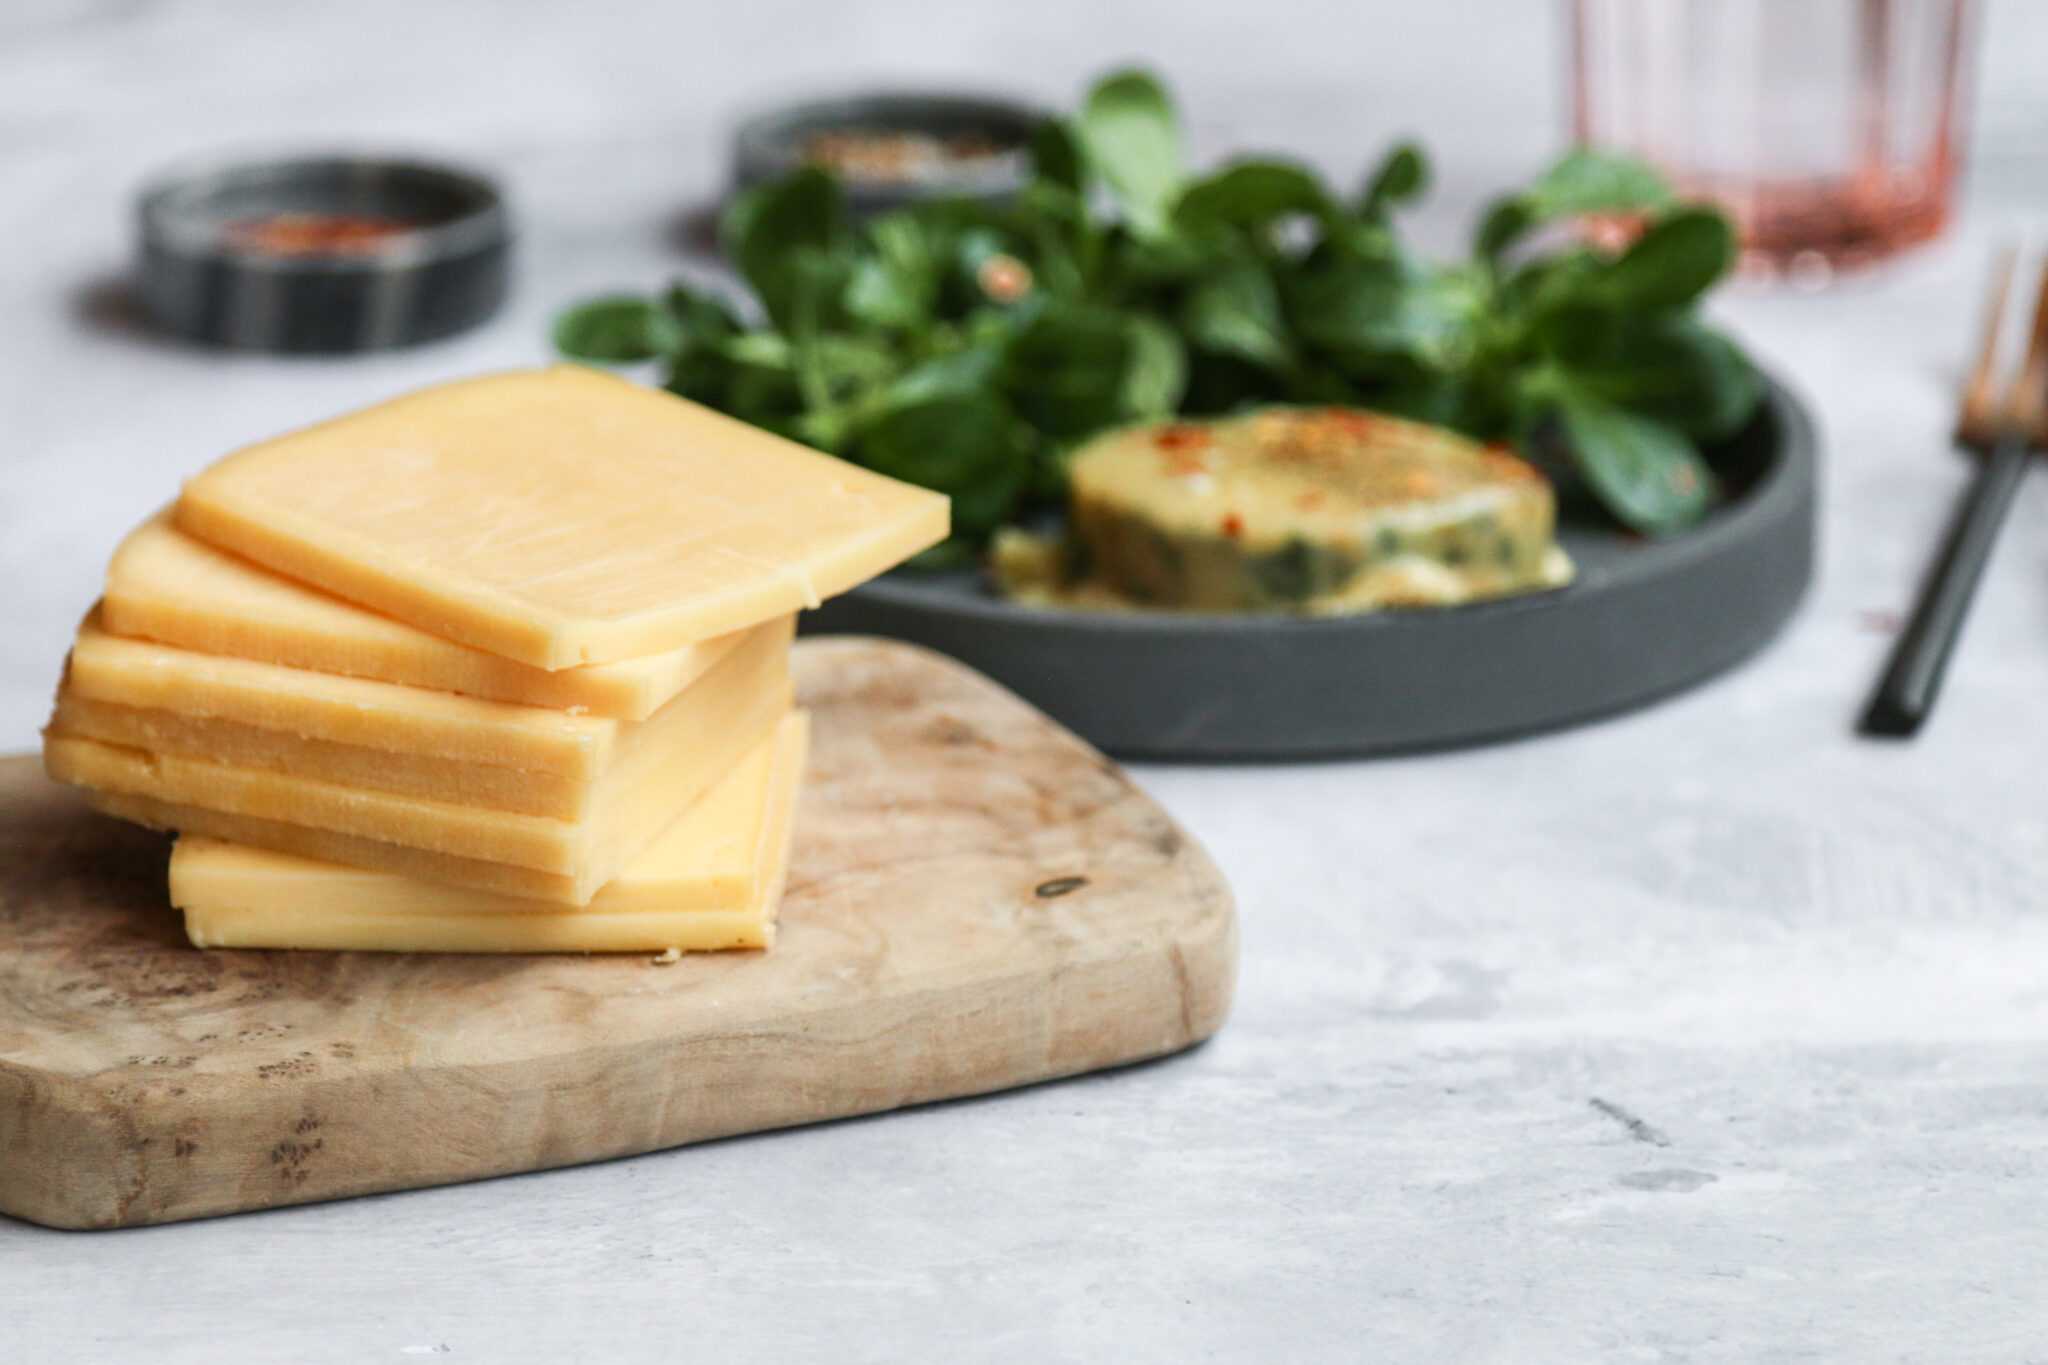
{"x": 977, "y": 901}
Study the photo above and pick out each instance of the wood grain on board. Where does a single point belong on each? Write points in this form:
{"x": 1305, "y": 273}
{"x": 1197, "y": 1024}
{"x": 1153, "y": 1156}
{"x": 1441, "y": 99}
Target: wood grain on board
{"x": 977, "y": 901}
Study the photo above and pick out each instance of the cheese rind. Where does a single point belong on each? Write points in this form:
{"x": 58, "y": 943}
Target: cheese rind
{"x": 713, "y": 880}
{"x": 378, "y": 715}
{"x": 559, "y": 517}
{"x": 165, "y": 586}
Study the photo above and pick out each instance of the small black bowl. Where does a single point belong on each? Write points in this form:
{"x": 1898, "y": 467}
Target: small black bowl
{"x": 322, "y": 255}
{"x": 773, "y": 144}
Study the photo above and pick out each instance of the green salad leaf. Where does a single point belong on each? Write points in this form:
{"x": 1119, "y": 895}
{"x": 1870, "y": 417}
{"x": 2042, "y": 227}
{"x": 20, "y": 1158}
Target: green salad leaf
{"x": 1132, "y": 136}
{"x": 1643, "y": 469}
{"x": 969, "y": 346}
{"x": 1401, "y": 179}
{"x": 617, "y": 331}
{"x": 1251, "y": 193}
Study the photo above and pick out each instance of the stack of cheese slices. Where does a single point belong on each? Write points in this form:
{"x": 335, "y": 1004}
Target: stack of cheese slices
{"x": 498, "y": 666}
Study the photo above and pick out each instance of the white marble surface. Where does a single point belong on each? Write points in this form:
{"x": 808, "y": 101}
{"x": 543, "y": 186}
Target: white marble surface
{"x": 1726, "y": 1038}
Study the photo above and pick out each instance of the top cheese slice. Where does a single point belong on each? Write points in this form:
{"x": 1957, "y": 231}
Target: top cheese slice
{"x": 559, "y": 517}
{"x": 163, "y": 585}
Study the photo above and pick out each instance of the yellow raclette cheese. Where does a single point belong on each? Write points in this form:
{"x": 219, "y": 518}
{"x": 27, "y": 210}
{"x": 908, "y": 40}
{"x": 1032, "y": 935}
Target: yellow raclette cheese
{"x": 521, "y": 791}
{"x": 572, "y": 931}
{"x": 378, "y": 715}
{"x": 269, "y": 807}
{"x": 329, "y": 846}
{"x": 559, "y": 517}
{"x": 712, "y": 880}
{"x": 165, "y": 586}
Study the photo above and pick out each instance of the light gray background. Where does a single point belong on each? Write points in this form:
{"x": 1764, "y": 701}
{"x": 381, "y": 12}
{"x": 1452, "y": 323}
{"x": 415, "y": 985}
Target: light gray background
{"x": 1814, "y": 968}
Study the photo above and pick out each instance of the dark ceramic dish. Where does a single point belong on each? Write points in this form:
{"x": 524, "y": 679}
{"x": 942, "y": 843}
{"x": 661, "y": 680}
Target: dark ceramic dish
{"x": 437, "y": 264}
{"x": 775, "y": 143}
{"x": 1642, "y": 619}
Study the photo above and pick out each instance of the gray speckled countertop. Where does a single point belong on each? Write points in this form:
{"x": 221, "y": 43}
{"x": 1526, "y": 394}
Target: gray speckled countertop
{"x": 1709, "y": 1033}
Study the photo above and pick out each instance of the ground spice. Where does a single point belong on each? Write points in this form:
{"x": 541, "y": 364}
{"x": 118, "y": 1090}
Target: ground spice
{"x": 314, "y": 234}
{"x": 889, "y": 156}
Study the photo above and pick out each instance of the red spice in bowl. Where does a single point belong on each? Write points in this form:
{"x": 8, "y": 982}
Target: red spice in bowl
{"x": 313, "y": 234}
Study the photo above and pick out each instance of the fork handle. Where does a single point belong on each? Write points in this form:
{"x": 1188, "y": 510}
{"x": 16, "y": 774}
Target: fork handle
{"x": 1906, "y": 693}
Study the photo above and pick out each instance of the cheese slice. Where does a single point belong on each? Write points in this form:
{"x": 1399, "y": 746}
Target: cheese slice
{"x": 376, "y": 715}
{"x": 165, "y": 586}
{"x": 273, "y": 809}
{"x": 712, "y": 880}
{"x": 559, "y": 517}
{"x": 575, "y": 931}
{"x": 518, "y": 790}
{"x": 329, "y": 846}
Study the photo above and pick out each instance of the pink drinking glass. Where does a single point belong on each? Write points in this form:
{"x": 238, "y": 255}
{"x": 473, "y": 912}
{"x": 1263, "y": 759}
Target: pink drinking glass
{"x": 1830, "y": 130}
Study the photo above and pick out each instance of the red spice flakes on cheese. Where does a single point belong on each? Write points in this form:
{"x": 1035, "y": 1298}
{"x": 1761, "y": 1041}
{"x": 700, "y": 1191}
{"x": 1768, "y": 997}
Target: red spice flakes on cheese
{"x": 1350, "y": 421}
{"x": 1502, "y": 460}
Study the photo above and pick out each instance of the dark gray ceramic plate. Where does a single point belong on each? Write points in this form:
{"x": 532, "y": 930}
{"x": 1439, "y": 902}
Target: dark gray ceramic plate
{"x": 1642, "y": 620}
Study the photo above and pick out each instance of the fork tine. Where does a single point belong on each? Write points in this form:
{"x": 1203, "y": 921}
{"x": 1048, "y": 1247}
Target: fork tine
{"x": 2027, "y": 400}
{"x": 1977, "y": 423}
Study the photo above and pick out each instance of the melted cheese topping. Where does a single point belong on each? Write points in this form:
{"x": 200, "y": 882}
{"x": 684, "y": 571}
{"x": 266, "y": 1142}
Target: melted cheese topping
{"x": 1292, "y": 473}
{"x": 1312, "y": 511}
